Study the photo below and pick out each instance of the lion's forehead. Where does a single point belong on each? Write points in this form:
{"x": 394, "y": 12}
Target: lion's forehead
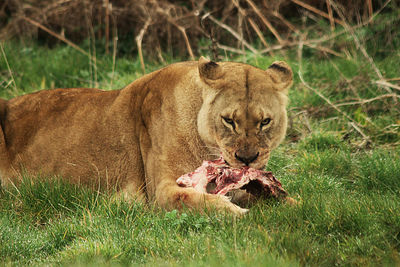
{"x": 258, "y": 105}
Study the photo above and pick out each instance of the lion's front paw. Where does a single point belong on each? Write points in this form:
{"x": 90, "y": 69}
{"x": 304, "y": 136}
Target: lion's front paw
{"x": 238, "y": 211}
{"x": 224, "y": 203}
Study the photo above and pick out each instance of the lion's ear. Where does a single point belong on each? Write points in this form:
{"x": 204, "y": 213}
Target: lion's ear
{"x": 209, "y": 70}
{"x": 281, "y": 74}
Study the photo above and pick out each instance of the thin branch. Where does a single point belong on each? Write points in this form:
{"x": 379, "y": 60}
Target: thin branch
{"x": 234, "y": 33}
{"x": 107, "y": 24}
{"x": 252, "y": 24}
{"x": 209, "y": 32}
{"x": 115, "y": 42}
{"x": 185, "y": 37}
{"x": 189, "y": 48}
{"x": 361, "y": 47}
{"x": 8, "y": 68}
{"x": 139, "y": 39}
{"x": 266, "y": 22}
{"x": 353, "y": 122}
{"x": 231, "y": 49}
{"x": 285, "y": 21}
{"x": 367, "y": 139}
{"x": 370, "y": 10}
{"x": 258, "y": 31}
{"x": 331, "y": 19}
{"x": 317, "y": 11}
{"x": 393, "y": 79}
{"x": 387, "y": 84}
{"x": 58, "y": 36}
{"x": 325, "y": 49}
{"x": 307, "y": 42}
{"x": 365, "y": 101}
{"x": 379, "y": 11}
{"x": 348, "y": 81}
{"x": 324, "y": 98}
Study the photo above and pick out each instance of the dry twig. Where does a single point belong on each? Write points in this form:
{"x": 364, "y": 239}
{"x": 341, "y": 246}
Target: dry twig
{"x": 258, "y": 31}
{"x": 107, "y": 23}
{"x": 266, "y": 22}
{"x": 324, "y": 49}
{"x": 362, "y": 49}
{"x": 387, "y": 84}
{"x": 365, "y": 101}
{"x": 285, "y": 21}
{"x": 234, "y": 34}
{"x": 370, "y": 10}
{"x": 371, "y": 18}
{"x": 355, "y": 125}
{"x": 185, "y": 37}
{"x": 253, "y": 25}
{"x": 9, "y": 69}
{"x": 231, "y": 49}
{"x": 139, "y": 39}
{"x": 209, "y": 31}
{"x": 366, "y": 140}
{"x": 309, "y": 42}
{"x": 114, "y": 60}
{"x": 58, "y": 36}
{"x": 393, "y": 79}
{"x": 331, "y": 19}
{"x": 317, "y": 11}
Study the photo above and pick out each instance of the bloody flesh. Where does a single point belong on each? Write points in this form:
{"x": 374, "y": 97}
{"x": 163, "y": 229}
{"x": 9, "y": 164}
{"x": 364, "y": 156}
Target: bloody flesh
{"x": 226, "y": 178}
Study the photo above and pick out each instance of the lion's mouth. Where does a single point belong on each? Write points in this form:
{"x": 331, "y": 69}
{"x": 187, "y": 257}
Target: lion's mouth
{"x": 239, "y": 165}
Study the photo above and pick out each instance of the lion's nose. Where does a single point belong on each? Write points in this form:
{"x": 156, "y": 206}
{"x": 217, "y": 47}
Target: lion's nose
{"x": 246, "y": 158}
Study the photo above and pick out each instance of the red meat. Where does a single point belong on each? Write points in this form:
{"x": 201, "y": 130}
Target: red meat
{"x": 226, "y": 178}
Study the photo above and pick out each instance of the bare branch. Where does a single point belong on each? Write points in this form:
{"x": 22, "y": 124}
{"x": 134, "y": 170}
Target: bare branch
{"x": 139, "y": 39}
{"x": 317, "y": 11}
{"x": 58, "y": 36}
{"x": 231, "y": 49}
{"x": 353, "y": 122}
{"x": 387, "y": 84}
{"x": 234, "y": 34}
{"x": 9, "y": 70}
{"x": 331, "y": 19}
{"x": 365, "y": 101}
{"x": 258, "y": 31}
{"x": 361, "y": 47}
{"x": 266, "y": 22}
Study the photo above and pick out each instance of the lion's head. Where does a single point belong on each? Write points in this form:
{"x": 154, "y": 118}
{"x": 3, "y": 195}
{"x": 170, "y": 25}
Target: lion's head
{"x": 243, "y": 114}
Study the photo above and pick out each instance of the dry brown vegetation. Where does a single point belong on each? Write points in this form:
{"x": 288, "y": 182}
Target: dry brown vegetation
{"x": 161, "y": 25}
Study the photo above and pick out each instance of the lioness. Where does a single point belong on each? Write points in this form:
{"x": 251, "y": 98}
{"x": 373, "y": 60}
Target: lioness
{"x": 143, "y": 137}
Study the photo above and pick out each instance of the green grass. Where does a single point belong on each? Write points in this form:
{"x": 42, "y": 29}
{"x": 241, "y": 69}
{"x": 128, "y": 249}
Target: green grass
{"x": 349, "y": 213}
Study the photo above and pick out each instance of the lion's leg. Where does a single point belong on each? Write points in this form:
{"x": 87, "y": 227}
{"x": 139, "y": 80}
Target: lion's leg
{"x": 133, "y": 192}
{"x": 171, "y": 196}
{"x": 164, "y": 167}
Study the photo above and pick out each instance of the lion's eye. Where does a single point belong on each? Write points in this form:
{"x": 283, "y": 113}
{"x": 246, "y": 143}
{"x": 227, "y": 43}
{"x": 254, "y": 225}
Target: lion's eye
{"x": 265, "y": 122}
{"x": 229, "y": 121}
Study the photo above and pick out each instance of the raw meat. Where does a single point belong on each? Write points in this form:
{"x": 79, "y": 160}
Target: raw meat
{"x": 226, "y": 178}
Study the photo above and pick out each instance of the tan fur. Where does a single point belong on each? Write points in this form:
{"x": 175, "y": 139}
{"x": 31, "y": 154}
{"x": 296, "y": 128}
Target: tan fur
{"x": 142, "y": 138}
